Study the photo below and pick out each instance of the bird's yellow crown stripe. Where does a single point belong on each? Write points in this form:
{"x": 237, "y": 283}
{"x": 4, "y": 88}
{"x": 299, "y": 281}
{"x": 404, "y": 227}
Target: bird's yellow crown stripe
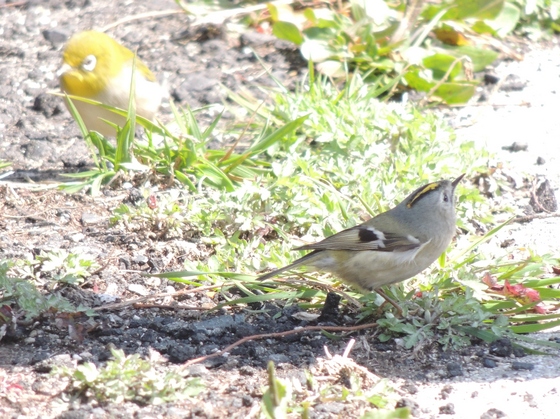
{"x": 428, "y": 188}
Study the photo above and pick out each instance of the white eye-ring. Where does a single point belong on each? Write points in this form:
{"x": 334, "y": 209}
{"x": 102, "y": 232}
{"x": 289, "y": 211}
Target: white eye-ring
{"x": 89, "y": 63}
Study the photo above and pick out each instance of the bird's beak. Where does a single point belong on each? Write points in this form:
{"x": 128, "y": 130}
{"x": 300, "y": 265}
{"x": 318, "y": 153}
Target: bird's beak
{"x": 65, "y": 68}
{"x": 457, "y": 180}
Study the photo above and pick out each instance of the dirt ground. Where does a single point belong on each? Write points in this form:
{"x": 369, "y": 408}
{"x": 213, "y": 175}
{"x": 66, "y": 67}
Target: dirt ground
{"x": 41, "y": 140}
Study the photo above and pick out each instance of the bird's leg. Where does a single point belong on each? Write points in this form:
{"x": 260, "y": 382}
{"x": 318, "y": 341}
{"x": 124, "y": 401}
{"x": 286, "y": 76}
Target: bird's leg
{"x": 390, "y": 301}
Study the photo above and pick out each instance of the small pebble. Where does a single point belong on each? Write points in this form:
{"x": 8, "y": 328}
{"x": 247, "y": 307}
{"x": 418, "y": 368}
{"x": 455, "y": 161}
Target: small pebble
{"x": 522, "y": 366}
{"x": 409, "y": 388}
{"x": 489, "y": 363}
{"x": 78, "y": 237}
{"x": 446, "y": 391}
{"x": 448, "y": 409}
{"x": 56, "y": 36}
{"x": 88, "y": 218}
{"x": 501, "y": 347}
{"x": 197, "y": 370}
{"x": 493, "y": 414}
{"x": 519, "y": 352}
{"x": 516, "y": 146}
{"x": 138, "y": 289}
{"x": 411, "y": 404}
{"x": 491, "y": 78}
{"x": 454, "y": 369}
{"x": 140, "y": 259}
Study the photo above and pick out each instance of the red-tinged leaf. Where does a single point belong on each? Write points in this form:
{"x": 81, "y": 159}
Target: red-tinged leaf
{"x": 532, "y": 294}
{"x": 490, "y": 280}
{"x": 513, "y": 290}
{"x": 521, "y": 291}
{"x": 540, "y": 309}
{"x": 556, "y": 270}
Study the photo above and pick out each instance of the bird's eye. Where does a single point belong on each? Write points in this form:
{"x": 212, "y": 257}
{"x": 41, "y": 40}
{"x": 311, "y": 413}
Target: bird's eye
{"x": 445, "y": 197}
{"x": 89, "y": 63}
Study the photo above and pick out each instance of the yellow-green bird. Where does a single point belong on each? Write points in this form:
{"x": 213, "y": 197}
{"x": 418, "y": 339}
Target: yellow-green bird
{"x": 97, "y": 67}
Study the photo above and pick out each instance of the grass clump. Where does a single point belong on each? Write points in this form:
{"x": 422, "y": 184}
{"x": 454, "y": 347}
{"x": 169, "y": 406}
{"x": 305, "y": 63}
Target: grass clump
{"x": 20, "y": 298}
{"x": 128, "y": 379}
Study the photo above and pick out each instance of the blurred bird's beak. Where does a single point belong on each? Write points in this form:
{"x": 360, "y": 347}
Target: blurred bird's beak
{"x": 65, "y": 68}
{"x": 457, "y": 180}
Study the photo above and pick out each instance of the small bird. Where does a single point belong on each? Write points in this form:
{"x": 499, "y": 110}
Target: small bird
{"x": 97, "y": 67}
{"x": 392, "y": 246}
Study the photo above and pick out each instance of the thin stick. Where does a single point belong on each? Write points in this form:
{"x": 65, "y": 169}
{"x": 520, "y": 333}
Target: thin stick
{"x": 140, "y": 300}
{"x": 214, "y": 17}
{"x": 527, "y": 218}
{"x": 139, "y": 16}
{"x": 14, "y": 4}
{"x": 170, "y": 307}
{"x": 280, "y": 335}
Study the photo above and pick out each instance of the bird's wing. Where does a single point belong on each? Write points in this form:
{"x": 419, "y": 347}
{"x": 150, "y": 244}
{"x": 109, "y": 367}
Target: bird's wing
{"x": 366, "y": 238}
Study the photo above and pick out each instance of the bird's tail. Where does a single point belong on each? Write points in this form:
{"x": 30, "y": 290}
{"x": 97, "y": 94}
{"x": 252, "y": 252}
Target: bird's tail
{"x": 300, "y": 262}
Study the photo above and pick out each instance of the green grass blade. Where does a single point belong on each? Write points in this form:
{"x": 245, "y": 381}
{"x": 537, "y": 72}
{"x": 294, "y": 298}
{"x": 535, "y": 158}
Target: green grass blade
{"x": 276, "y": 136}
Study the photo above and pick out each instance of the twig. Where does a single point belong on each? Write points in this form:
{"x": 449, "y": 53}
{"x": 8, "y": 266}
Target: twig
{"x": 527, "y": 218}
{"x": 139, "y": 16}
{"x": 280, "y": 335}
{"x": 116, "y": 306}
{"x": 169, "y": 307}
{"x": 214, "y": 17}
{"x": 14, "y": 4}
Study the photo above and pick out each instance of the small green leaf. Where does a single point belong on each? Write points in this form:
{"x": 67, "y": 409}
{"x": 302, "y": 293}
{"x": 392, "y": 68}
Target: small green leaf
{"x": 287, "y": 31}
{"x": 506, "y": 21}
{"x": 399, "y": 413}
{"x": 310, "y": 15}
{"x": 440, "y": 63}
{"x": 482, "y": 9}
{"x": 418, "y": 82}
{"x": 485, "y": 335}
{"x": 88, "y": 372}
{"x": 456, "y": 93}
{"x": 276, "y": 136}
{"x": 481, "y": 58}
{"x": 184, "y": 179}
{"x": 482, "y": 27}
{"x": 273, "y": 10}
